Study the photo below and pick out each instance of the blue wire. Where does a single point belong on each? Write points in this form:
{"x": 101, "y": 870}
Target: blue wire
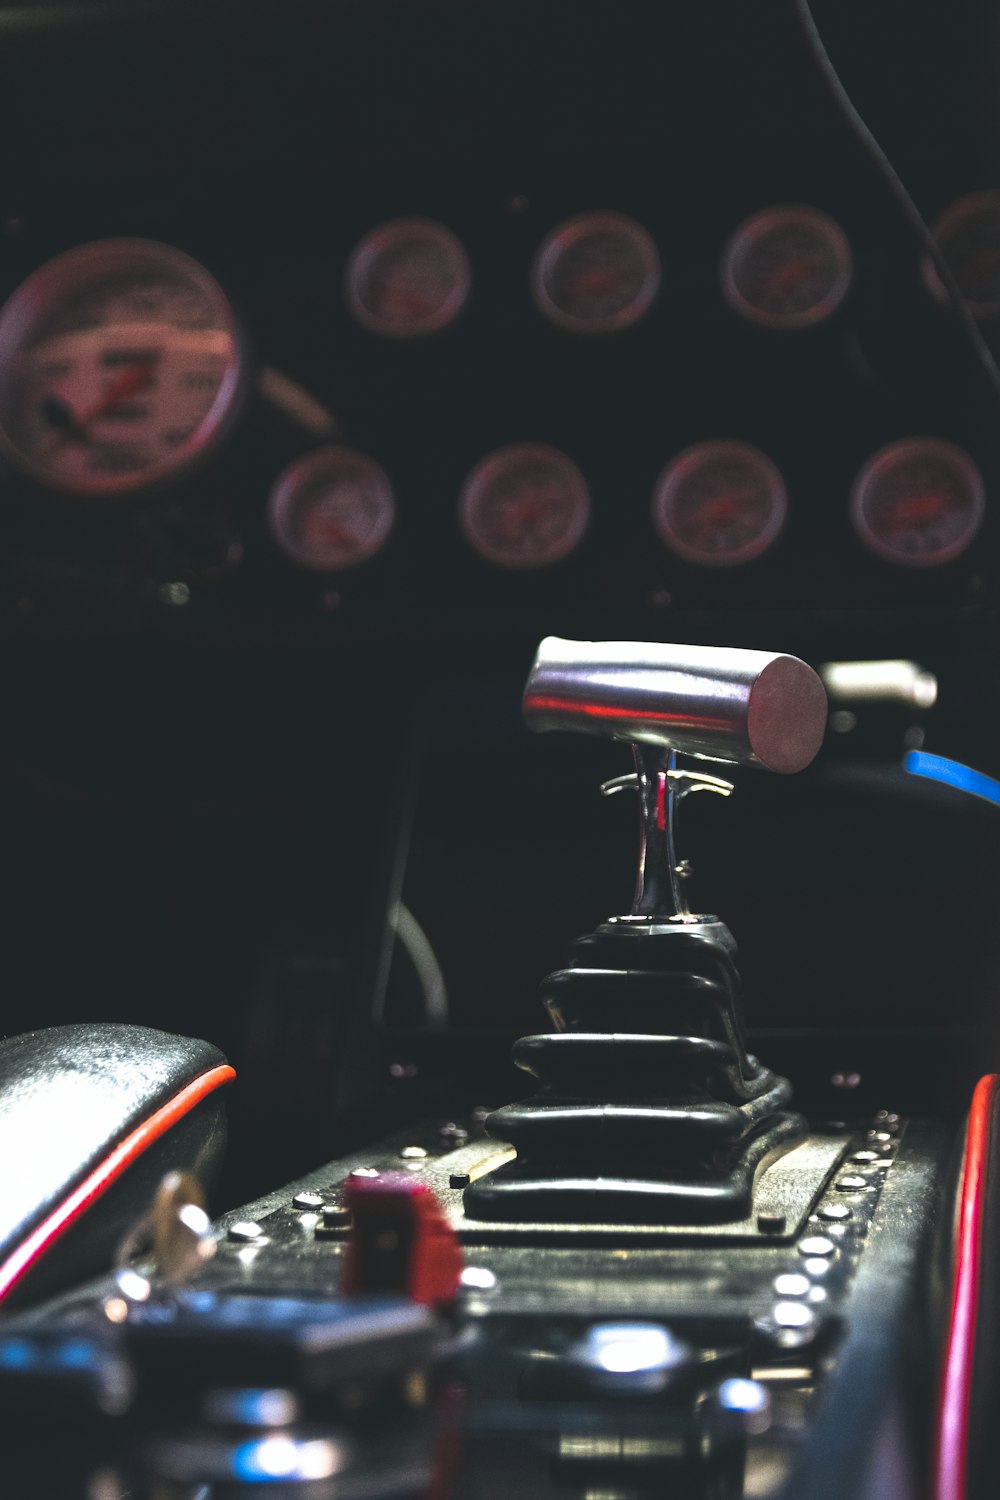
{"x": 952, "y": 773}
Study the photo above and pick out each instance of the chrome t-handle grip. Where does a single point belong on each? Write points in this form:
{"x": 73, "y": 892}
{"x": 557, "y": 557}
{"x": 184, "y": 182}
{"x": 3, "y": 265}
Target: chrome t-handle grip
{"x": 756, "y": 708}
{"x": 749, "y": 707}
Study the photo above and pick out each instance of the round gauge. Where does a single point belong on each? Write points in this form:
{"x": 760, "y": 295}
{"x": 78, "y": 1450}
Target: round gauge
{"x": 331, "y": 509}
{"x": 524, "y": 506}
{"x": 121, "y": 364}
{"x": 596, "y": 273}
{"x": 918, "y": 502}
{"x": 719, "y": 504}
{"x": 787, "y": 267}
{"x": 407, "y": 278}
{"x": 968, "y": 236}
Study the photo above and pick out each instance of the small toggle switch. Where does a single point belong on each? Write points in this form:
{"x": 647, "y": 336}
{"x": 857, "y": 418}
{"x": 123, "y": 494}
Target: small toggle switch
{"x": 400, "y": 1242}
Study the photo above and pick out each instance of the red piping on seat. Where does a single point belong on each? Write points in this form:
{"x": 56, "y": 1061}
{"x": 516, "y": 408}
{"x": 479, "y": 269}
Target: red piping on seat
{"x": 107, "y": 1172}
{"x": 951, "y": 1457}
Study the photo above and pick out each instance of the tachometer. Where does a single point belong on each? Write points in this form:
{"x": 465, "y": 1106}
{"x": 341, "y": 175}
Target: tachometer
{"x": 524, "y": 506}
{"x": 918, "y": 502}
{"x": 719, "y": 504}
{"x": 787, "y": 267}
{"x": 331, "y": 509}
{"x": 121, "y": 365}
{"x": 597, "y": 273}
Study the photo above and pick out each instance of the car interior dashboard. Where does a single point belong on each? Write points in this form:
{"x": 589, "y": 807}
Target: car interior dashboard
{"x": 361, "y": 363}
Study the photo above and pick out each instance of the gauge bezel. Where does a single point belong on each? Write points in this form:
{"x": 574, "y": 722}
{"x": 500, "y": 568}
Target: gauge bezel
{"x": 72, "y": 271}
{"x": 564, "y": 238}
{"x": 383, "y": 238}
{"x": 955, "y": 217}
{"x": 884, "y": 459}
{"x": 679, "y": 470}
{"x": 476, "y": 488}
{"x": 744, "y": 239}
{"x": 304, "y": 472}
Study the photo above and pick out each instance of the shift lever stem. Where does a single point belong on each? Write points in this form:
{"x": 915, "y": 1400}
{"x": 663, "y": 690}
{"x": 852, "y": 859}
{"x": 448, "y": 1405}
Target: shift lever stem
{"x": 660, "y": 889}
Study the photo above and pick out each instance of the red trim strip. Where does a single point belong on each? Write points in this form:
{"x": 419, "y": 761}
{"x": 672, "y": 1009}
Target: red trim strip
{"x": 951, "y": 1458}
{"x": 108, "y": 1171}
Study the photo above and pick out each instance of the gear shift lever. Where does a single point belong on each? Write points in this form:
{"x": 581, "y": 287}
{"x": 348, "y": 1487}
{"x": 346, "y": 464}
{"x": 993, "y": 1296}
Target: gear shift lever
{"x": 748, "y": 707}
{"x": 650, "y": 1106}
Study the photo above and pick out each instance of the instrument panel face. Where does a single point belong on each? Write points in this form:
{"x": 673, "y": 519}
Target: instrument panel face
{"x": 918, "y": 503}
{"x": 597, "y": 273}
{"x": 787, "y": 268}
{"x": 968, "y": 236}
{"x": 720, "y": 504}
{"x": 525, "y": 506}
{"x": 121, "y": 366}
{"x": 408, "y": 278}
{"x": 331, "y": 509}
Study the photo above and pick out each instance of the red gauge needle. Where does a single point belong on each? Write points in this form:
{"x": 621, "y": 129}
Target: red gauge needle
{"x": 132, "y": 380}
{"x": 403, "y": 304}
{"x": 920, "y": 507}
{"x": 596, "y": 283}
{"x": 129, "y": 382}
{"x": 718, "y": 511}
{"x": 521, "y": 517}
{"x": 329, "y": 529}
{"x": 789, "y": 277}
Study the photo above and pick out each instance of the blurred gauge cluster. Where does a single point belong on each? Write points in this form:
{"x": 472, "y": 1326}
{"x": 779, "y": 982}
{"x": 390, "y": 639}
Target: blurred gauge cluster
{"x": 126, "y": 366}
{"x": 563, "y": 380}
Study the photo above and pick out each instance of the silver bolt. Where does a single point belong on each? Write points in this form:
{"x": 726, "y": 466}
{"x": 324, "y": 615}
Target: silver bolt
{"x": 364, "y": 1172}
{"x": 478, "y": 1279}
{"x": 413, "y": 1153}
{"x": 868, "y": 1156}
{"x": 312, "y": 1201}
{"x": 816, "y": 1245}
{"x": 835, "y": 1211}
{"x": 791, "y": 1284}
{"x": 793, "y": 1315}
{"x": 335, "y": 1216}
{"x": 244, "y": 1233}
{"x": 852, "y": 1184}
